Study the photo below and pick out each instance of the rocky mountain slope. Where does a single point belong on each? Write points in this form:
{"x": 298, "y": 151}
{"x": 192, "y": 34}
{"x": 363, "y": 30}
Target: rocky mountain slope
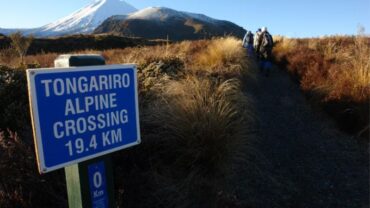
{"x": 160, "y": 22}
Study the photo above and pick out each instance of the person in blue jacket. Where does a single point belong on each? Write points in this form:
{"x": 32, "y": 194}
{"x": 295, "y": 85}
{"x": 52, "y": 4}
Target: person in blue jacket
{"x": 248, "y": 43}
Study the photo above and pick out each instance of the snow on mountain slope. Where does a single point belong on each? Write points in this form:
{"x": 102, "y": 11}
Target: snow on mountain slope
{"x": 162, "y": 23}
{"x": 86, "y": 19}
{"x": 105, "y": 16}
{"x": 163, "y": 13}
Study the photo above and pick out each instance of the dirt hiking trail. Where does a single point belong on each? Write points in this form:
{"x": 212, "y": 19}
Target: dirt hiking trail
{"x": 312, "y": 163}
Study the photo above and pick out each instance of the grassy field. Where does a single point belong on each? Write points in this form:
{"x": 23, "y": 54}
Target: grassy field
{"x": 194, "y": 119}
{"x": 197, "y": 122}
{"x": 334, "y": 72}
{"x": 72, "y": 43}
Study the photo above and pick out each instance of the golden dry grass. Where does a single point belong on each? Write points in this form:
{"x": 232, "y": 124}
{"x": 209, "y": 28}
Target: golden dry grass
{"x": 196, "y": 121}
{"x": 336, "y": 67}
{"x": 206, "y": 125}
{"x": 351, "y": 77}
{"x": 221, "y": 55}
{"x": 200, "y": 119}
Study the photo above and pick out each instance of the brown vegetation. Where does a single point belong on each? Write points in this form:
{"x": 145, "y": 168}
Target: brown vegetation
{"x": 195, "y": 125}
{"x": 337, "y": 67}
{"x": 20, "y": 44}
{"x": 335, "y": 71}
{"x": 20, "y": 184}
{"x": 74, "y": 43}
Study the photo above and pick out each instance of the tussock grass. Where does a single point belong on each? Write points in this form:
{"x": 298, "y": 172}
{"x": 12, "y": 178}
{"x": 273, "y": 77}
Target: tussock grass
{"x": 350, "y": 78}
{"x": 336, "y": 67}
{"x": 335, "y": 72}
{"x": 284, "y": 45}
{"x": 204, "y": 124}
{"x": 204, "y": 114}
{"x": 195, "y": 120}
{"x": 222, "y": 54}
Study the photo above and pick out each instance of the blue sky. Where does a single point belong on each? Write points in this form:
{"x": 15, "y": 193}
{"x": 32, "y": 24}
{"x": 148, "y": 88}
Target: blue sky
{"x": 295, "y": 18}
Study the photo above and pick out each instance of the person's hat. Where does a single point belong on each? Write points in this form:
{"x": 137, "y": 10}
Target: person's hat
{"x": 264, "y": 29}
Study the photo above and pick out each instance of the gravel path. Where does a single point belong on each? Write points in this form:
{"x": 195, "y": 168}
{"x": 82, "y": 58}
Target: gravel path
{"x": 315, "y": 164}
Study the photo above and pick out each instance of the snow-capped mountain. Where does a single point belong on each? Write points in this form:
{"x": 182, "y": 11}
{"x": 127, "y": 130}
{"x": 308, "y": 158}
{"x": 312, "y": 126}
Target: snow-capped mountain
{"x": 117, "y": 16}
{"x": 83, "y": 21}
{"x": 87, "y": 19}
{"x": 161, "y": 22}
{"x": 163, "y": 13}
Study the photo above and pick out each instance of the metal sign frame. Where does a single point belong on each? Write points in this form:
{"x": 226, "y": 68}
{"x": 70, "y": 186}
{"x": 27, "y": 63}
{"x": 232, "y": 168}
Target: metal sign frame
{"x": 31, "y": 73}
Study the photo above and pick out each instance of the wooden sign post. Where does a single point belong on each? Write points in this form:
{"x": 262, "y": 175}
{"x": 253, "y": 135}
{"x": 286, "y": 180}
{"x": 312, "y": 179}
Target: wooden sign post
{"x": 90, "y": 183}
{"x": 80, "y": 192}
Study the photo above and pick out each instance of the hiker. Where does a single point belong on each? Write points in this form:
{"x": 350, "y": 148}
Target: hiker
{"x": 265, "y": 50}
{"x": 257, "y": 43}
{"x": 248, "y": 43}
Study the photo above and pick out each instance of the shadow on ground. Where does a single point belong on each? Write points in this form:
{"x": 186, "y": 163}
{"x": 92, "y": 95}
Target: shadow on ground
{"x": 307, "y": 161}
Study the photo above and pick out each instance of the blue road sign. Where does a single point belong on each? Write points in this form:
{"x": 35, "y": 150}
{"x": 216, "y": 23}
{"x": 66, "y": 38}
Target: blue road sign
{"x": 98, "y": 185}
{"x": 82, "y": 113}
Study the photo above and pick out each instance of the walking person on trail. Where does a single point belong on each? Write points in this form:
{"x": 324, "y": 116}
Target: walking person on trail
{"x": 265, "y": 50}
{"x": 248, "y": 43}
{"x": 257, "y": 42}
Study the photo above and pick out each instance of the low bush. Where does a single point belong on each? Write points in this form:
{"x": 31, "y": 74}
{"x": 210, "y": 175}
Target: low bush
{"x": 204, "y": 125}
{"x": 20, "y": 183}
{"x": 14, "y": 111}
{"x": 332, "y": 70}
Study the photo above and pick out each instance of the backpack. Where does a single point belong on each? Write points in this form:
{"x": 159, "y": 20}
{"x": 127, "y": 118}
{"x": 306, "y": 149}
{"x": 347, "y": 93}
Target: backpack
{"x": 267, "y": 41}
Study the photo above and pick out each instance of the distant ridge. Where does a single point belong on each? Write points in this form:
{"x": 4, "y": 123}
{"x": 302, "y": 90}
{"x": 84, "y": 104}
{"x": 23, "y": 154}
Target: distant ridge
{"x": 160, "y": 22}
